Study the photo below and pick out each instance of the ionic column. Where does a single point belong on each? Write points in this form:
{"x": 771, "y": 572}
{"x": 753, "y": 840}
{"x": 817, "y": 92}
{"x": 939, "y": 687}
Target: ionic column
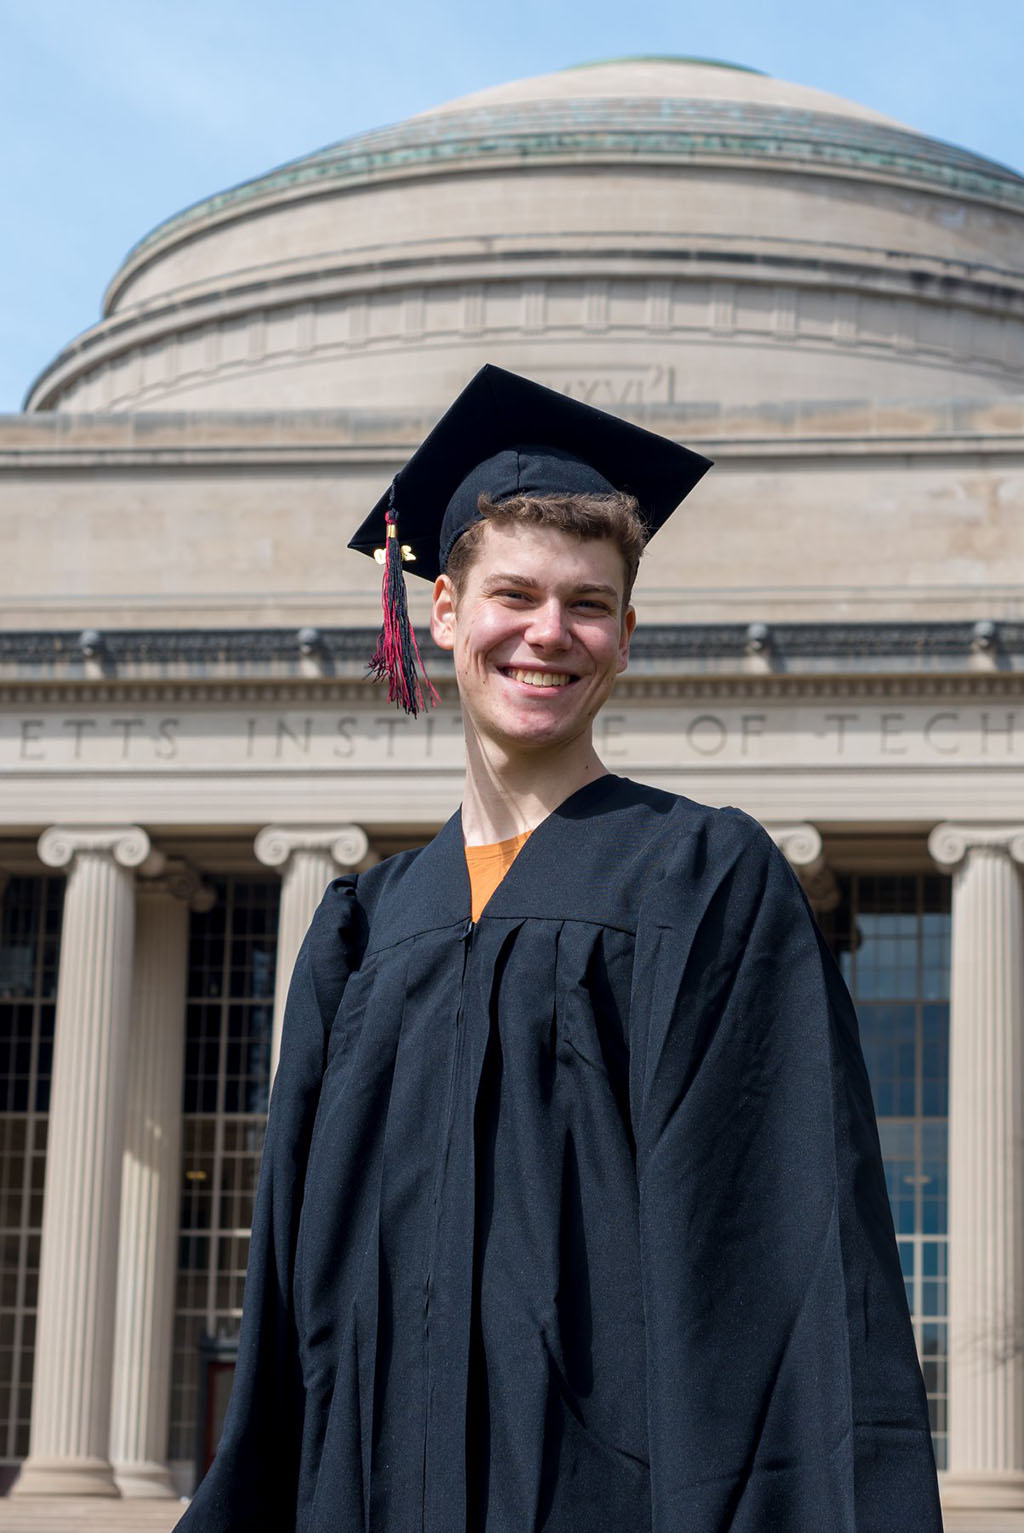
{"x": 68, "y": 1452}
{"x": 802, "y": 848}
{"x": 151, "y": 1174}
{"x": 986, "y": 1165}
{"x": 309, "y": 856}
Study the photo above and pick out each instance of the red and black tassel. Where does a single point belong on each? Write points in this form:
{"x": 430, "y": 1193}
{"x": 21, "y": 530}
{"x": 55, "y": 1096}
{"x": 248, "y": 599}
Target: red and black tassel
{"x": 397, "y": 656}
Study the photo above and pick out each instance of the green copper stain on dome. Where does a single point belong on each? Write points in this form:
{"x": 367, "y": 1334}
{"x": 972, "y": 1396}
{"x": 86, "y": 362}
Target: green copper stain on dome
{"x": 676, "y": 129}
{"x": 670, "y": 58}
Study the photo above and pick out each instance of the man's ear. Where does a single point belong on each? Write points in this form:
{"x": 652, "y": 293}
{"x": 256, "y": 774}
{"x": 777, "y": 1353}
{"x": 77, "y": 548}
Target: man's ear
{"x": 628, "y": 624}
{"x": 442, "y": 613}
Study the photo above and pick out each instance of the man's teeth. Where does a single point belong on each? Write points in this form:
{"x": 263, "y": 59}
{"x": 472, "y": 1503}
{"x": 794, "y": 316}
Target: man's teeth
{"x": 541, "y": 678}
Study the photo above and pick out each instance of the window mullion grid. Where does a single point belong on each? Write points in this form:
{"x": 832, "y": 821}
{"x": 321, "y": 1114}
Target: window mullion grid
{"x": 28, "y": 1119}
{"x": 24, "y": 1235}
{"x": 18, "y": 1335}
{"x": 919, "y": 1180}
{"x": 213, "y": 1270}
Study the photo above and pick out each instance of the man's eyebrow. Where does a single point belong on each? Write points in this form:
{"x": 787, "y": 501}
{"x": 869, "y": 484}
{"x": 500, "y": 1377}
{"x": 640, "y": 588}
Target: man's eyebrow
{"x": 507, "y": 580}
{"x": 585, "y": 588}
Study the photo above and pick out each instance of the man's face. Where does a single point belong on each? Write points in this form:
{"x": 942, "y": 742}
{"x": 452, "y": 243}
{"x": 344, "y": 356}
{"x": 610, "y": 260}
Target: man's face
{"x": 538, "y": 634}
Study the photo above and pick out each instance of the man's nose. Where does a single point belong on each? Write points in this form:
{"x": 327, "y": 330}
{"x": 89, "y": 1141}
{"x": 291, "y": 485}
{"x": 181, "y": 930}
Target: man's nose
{"x": 548, "y": 627}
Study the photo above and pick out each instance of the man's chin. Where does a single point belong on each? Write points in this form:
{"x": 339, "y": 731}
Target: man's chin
{"x": 533, "y": 735}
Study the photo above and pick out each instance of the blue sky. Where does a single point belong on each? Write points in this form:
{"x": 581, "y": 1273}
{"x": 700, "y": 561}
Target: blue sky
{"x": 114, "y": 114}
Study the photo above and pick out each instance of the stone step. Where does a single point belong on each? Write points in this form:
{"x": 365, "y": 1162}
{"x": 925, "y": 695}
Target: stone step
{"x": 955, "y": 1521}
{"x": 97, "y": 1514}
{"x": 45, "y": 1514}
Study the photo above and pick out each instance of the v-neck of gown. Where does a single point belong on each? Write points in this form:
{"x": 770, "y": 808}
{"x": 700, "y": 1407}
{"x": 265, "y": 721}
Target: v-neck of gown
{"x": 580, "y": 801}
{"x": 435, "y": 890}
{"x": 488, "y": 865}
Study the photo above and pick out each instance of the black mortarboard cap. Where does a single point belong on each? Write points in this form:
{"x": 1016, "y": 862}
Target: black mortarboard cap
{"x": 504, "y": 436}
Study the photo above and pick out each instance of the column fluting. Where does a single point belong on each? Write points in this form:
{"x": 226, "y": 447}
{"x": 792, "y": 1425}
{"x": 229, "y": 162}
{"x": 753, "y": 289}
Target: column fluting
{"x": 143, "y": 1340}
{"x": 986, "y": 1164}
{"x": 309, "y": 856}
{"x": 69, "y": 1442}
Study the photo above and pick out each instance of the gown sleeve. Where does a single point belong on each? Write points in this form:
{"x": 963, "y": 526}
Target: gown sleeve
{"x": 783, "y": 1384}
{"x": 251, "y": 1485}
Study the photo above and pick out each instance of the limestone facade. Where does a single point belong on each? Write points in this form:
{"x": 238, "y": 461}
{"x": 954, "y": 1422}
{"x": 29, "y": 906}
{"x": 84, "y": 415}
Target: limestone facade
{"x": 831, "y": 634}
{"x": 816, "y": 510}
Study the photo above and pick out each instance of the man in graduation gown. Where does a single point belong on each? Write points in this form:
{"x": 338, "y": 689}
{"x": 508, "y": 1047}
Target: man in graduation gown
{"x": 572, "y": 1215}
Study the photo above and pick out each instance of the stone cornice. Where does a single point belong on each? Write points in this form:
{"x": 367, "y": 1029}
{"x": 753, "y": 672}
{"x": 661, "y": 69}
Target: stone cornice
{"x": 60, "y": 458}
{"x": 820, "y": 640}
{"x": 136, "y": 341}
{"x": 363, "y": 696}
{"x": 498, "y": 256}
{"x": 760, "y": 260}
{"x": 161, "y": 440}
{"x": 215, "y": 658}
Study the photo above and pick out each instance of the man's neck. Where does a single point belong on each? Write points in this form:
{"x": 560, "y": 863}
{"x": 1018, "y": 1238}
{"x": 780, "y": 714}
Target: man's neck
{"x": 506, "y": 795}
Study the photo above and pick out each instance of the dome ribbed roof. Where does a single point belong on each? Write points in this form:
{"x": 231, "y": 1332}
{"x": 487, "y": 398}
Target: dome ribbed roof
{"x": 681, "y": 220}
{"x": 648, "y": 109}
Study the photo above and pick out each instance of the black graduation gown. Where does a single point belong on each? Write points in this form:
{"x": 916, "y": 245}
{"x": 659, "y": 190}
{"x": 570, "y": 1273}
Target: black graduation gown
{"x": 574, "y": 1220}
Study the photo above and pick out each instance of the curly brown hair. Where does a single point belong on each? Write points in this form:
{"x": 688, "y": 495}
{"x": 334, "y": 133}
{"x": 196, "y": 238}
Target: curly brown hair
{"x": 614, "y": 516}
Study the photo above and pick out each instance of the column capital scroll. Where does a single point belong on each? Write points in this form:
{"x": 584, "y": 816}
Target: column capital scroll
{"x": 128, "y": 845}
{"x": 801, "y": 845}
{"x": 347, "y": 845}
{"x": 950, "y": 843}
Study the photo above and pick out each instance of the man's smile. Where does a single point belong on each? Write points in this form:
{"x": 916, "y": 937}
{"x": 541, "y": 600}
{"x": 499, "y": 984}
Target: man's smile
{"x": 538, "y": 678}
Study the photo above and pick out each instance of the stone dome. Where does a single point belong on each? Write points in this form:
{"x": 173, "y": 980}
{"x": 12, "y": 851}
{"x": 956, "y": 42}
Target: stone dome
{"x": 636, "y": 231}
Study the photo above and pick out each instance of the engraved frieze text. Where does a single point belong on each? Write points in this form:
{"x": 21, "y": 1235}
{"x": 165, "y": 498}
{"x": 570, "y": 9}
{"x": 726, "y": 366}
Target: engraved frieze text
{"x": 659, "y": 734}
